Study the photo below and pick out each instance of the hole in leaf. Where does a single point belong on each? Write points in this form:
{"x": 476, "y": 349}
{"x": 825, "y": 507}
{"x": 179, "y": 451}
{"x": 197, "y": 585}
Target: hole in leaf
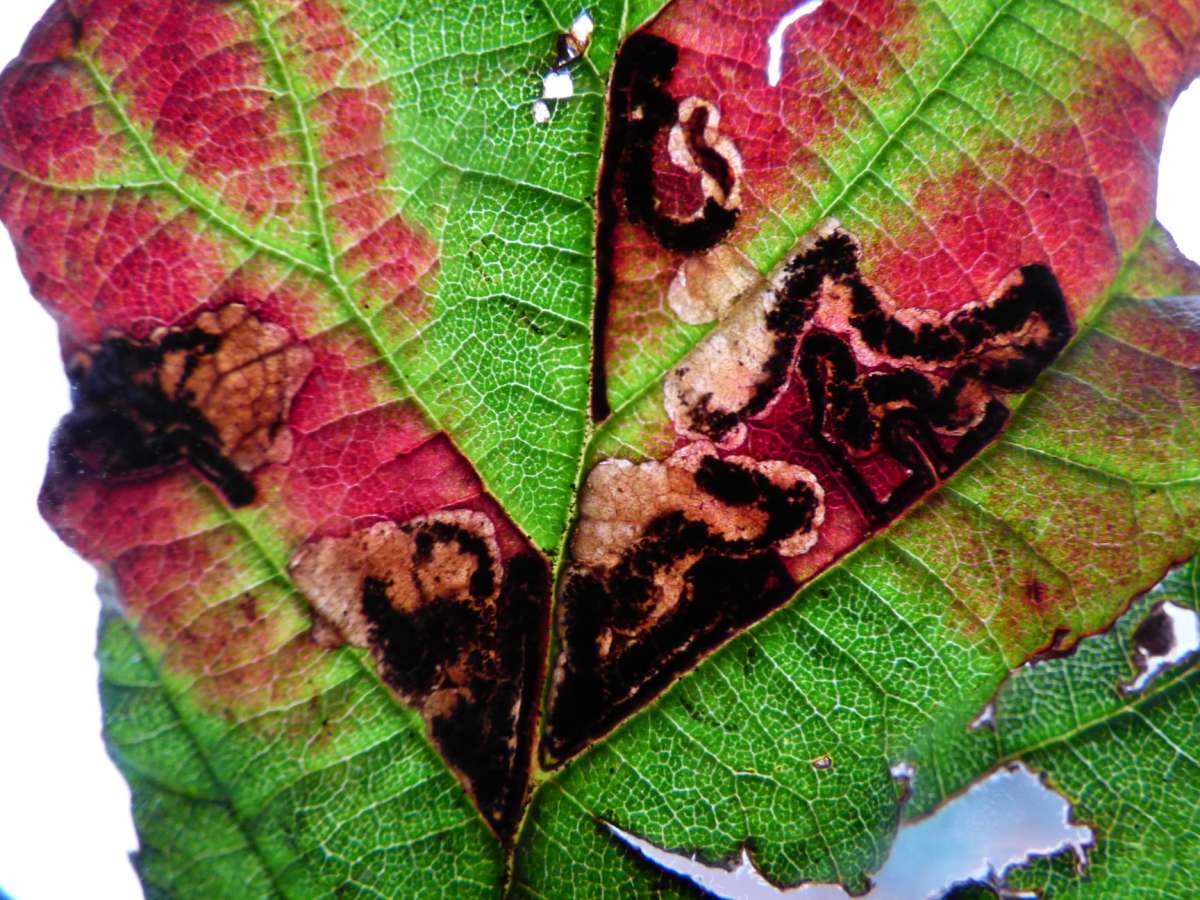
{"x": 985, "y": 719}
{"x": 1002, "y": 821}
{"x": 1164, "y": 639}
{"x": 558, "y": 83}
{"x": 904, "y": 772}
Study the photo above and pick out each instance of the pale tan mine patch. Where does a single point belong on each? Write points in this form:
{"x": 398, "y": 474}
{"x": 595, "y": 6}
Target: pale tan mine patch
{"x": 706, "y": 286}
{"x": 680, "y": 149}
{"x": 245, "y": 388}
{"x": 621, "y": 498}
{"x": 331, "y": 572}
{"x": 726, "y": 369}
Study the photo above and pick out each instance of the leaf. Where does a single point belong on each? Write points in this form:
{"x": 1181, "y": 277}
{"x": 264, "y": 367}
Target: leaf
{"x": 369, "y": 366}
{"x": 1109, "y": 741}
{"x": 889, "y": 657}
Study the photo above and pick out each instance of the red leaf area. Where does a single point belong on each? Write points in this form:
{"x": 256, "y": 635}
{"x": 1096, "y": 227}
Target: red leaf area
{"x": 1074, "y": 190}
{"x": 290, "y": 408}
{"x": 877, "y": 356}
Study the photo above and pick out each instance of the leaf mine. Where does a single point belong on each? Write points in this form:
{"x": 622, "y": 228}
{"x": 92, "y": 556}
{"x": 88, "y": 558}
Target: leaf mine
{"x": 668, "y": 168}
{"x": 694, "y": 209}
{"x": 215, "y": 394}
{"x": 454, "y": 629}
{"x": 659, "y": 551}
{"x": 706, "y": 286}
{"x": 811, "y": 367}
{"x": 337, "y": 688}
{"x": 913, "y": 385}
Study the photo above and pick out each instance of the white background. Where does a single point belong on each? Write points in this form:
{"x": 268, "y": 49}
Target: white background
{"x": 65, "y": 828}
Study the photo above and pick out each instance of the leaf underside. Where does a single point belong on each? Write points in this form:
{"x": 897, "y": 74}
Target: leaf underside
{"x": 460, "y": 480}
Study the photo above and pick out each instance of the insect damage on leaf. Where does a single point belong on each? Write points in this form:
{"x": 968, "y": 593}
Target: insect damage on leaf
{"x": 706, "y": 286}
{"x": 1166, "y": 637}
{"x": 313, "y": 160}
{"x": 696, "y": 210}
{"x": 651, "y": 132}
{"x": 813, "y": 365}
{"x": 558, "y": 83}
{"x": 659, "y": 550}
{"x": 454, "y": 629}
{"x": 216, "y": 394}
{"x": 1000, "y": 823}
{"x": 914, "y": 384}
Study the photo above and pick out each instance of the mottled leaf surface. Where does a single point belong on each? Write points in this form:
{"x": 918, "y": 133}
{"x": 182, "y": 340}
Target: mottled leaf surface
{"x": 1128, "y": 761}
{"x": 351, "y": 336}
{"x": 888, "y": 658}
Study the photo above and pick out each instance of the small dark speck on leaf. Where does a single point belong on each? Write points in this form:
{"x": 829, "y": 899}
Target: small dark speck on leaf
{"x": 1035, "y": 593}
{"x": 76, "y": 29}
{"x": 248, "y": 606}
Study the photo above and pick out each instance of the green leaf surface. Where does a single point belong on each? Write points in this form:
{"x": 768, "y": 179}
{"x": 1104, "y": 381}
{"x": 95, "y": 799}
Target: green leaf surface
{"x": 433, "y": 301}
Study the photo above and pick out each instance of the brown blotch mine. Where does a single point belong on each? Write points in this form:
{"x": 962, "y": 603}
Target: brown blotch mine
{"x": 216, "y": 394}
{"x": 453, "y": 629}
{"x": 668, "y": 560}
